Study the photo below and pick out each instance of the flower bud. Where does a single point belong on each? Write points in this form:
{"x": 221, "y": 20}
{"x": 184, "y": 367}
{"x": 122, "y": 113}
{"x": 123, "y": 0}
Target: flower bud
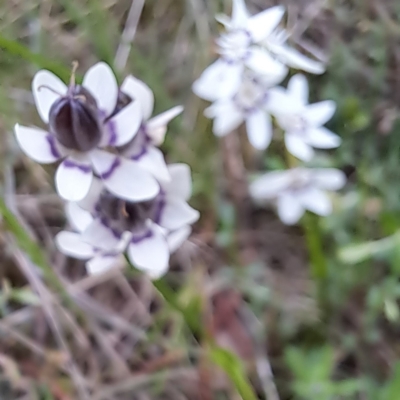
{"x": 75, "y": 120}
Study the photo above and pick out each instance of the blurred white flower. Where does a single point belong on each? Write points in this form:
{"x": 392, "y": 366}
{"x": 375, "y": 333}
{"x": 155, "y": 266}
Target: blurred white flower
{"x": 251, "y": 105}
{"x": 277, "y": 46}
{"x": 302, "y": 122}
{"x": 142, "y": 148}
{"x": 239, "y": 47}
{"x": 297, "y": 190}
{"x": 149, "y": 231}
{"x": 81, "y": 120}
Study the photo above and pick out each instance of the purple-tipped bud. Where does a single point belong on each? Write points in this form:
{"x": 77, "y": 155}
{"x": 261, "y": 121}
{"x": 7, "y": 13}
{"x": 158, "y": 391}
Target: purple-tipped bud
{"x": 75, "y": 120}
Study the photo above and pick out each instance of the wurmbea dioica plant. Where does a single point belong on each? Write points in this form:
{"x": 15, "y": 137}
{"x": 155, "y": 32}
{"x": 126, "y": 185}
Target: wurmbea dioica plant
{"x": 254, "y": 57}
{"x": 121, "y": 196}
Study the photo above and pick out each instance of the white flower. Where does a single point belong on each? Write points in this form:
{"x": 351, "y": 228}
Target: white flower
{"x": 276, "y": 44}
{"x": 82, "y": 120}
{"x": 239, "y": 47}
{"x": 250, "y": 104}
{"x": 302, "y": 122}
{"x": 142, "y": 149}
{"x": 149, "y": 231}
{"x": 297, "y": 190}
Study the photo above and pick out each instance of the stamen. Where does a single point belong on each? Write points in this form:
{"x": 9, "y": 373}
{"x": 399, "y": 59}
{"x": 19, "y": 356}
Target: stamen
{"x": 80, "y": 97}
{"x": 75, "y": 65}
{"x": 49, "y": 88}
{"x": 123, "y": 210}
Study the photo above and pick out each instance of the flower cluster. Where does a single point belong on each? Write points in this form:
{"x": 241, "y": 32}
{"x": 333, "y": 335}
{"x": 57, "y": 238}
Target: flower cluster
{"x": 120, "y": 194}
{"x": 254, "y": 58}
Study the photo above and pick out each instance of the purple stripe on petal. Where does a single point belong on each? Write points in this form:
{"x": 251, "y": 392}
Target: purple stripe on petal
{"x": 53, "y": 147}
{"x": 112, "y": 129}
{"x": 86, "y": 169}
{"x": 111, "y": 170}
{"x": 115, "y": 232}
{"x": 138, "y": 238}
{"x": 159, "y": 208}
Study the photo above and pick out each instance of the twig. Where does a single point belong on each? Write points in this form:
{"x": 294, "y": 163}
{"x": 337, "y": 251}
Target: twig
{"x": 128, "y": 34}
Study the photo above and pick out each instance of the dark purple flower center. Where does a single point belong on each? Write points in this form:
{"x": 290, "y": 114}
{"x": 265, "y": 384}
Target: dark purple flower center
{"x": 75, "y": 120}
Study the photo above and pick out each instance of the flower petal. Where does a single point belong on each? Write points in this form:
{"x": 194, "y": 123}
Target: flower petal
{"x": 38, "y": 144}
{"x": 289, "y": 209}
{"x": 280, "y": 103}
{"x": 150, "y": 253}
{"x": 90, "y": 201}
{"x": 318, "y": 114}
{"x": 72, "y": 245}
{"x": 315, "y": 200}
{"x": 102, "y": 263}
{"x": 298, "y": 88}
{"x": 79, "y": 218}
{"x": 220, "y": 80}
{"x": 46, "y": 89}
{"x": 101, "y": 236}
{"x": 176, "y": 213}
{"x": 140, "y": 92}
{"x": 152, "y": 160}
{"x": 323, "y": 138}
{"x": 239, "y": 14}
{"x": 73, "y": 179}
{"x": 180, "y": 184}
{"x": 295, "y": 59}
{"x": 260, "y": 61}
{"x": 298, "y": 147}
{"x": 329, "y": 178}
{"x": 124, "y": 177}
{"x": 259, "y": 129}
{"x": 176, "y": 238}
{"x": 156, "y": 127}
{"x": 263, "y": 23}
{"x": 270, "y": 185}
{"x": 227, "y": 117}
{"x": 125, "y": 124}
{"x": 101, "y": 83}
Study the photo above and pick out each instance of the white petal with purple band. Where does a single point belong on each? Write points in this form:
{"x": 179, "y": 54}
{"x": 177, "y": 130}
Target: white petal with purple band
{"x": 152, "y": 160}
{"x": 73, "y": 179}
{"x": 123, "y": 177}
{"x": 102, "y": 84}
{"x": 102, "y": 263}
{"x": 71, "y": 244}
{"x": 315, "y": 200}
{"x": 38, "y": 144}
{"x": 176, "y": 238}
{"x": 79, "y": 218}
{"x": 156, "y": 127}
{"x": 180, "y": 184}
{"x": 46, "y": 89}
{"x": 139, "y": 92}
{"x": 125, "y": 124}
{"x": 150, "y": 253}
{"x": 101, "y": 236}
{"x": 176, "y": 213}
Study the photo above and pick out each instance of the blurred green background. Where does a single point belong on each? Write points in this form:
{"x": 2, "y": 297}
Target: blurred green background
{"x": 308, "y": 312}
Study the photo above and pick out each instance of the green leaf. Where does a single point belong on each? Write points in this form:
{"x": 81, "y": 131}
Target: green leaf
{"x": 233, "y": 367}
{"x": 392, "y": 389}
{"x": 18, "y": 49}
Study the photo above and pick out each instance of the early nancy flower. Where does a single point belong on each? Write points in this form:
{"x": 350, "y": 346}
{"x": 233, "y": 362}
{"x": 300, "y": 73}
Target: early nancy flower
{"x": 251, "y": 104}
{"x": 81, "y": 119}
{"x": 303, "y": 122}
{"x": 299, "y": 189}
{"x": 149, "y": 231}
{"x": 239, "y": 48}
